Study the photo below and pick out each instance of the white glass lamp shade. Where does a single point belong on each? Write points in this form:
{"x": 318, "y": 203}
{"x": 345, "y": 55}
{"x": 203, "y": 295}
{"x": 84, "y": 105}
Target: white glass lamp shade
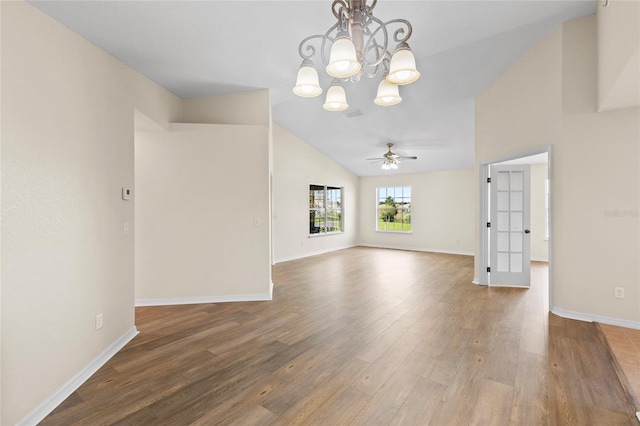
{"x": 336, "y": 99}
{"x": 307, "y": 85}
{"x": 389, "y": 164}
{"x": 343, "y": 62}
{"x": 388, "y": 94}
{"x": 402, "y": 69}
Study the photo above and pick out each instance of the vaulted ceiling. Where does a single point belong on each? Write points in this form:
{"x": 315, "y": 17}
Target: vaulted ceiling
{"x": 201, "y": 48}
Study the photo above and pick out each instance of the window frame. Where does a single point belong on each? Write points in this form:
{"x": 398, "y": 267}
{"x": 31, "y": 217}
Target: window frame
{"x": 402, "y": 209}
{"x": 327, "y": 204}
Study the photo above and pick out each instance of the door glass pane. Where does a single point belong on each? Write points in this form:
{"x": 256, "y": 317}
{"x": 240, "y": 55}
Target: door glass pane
{"x": 516, "y": 221}
{"x": 503, "y": 221}
{"x": 503, "y": 200}
{"x": 516, "y": 201}
{"x": 516, "y": 262}
{"x": 516, "y": 241}
{"x": 503, "y": 181}
{"x": 517, "y": 181}
{"x": 503, "y": 241}
{"x": 503, "y": 262}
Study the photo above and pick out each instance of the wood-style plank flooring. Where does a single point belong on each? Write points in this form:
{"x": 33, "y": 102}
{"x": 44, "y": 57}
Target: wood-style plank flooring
{"x": 624, "y": 345}
{"x": 360, "y": 336}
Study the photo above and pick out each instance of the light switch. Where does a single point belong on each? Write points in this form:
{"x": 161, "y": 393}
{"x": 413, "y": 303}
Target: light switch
{"x": 126, "y": 193}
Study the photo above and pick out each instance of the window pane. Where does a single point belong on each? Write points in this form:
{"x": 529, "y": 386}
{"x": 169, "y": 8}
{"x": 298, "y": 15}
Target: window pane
{"x": 325, "y": 209}
{"x": 517, "y": 200}
{"x": 334, "y": 221}
{"x": 517, "y": 179}
{"x": 316, "y": 221}
{"x": 394, "y": 209}
{"x": 503, "y": 181}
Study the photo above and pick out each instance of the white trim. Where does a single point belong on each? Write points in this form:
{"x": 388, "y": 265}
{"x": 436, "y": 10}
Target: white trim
{"x": 540, "y": 259}
{"x": 313, "y": 253}
{"x": 49, "y": 404}
{"x": 206, "y": 299}
{"x": 596, "y": 318}
{"x": 394, "y": 232}
{"x": 476, "y": 281}
{"x": 509, "y": 286}
{"x": 325, "y": 234}
{"x": 483, "y": 232}
{"x": 270, "y": 290}
{"x": 431, "y": 250}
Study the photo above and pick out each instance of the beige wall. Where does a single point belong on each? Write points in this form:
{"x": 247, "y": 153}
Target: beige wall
{"x": 296, "y": 166}
{"x": 550, "y": 98}
{"x": 618, "y": 54}
{"x": 442, "y": 211}
{"x": 67, "y": 150}
{"x": 248, "y": 108}
{"x": 202, "y": 217}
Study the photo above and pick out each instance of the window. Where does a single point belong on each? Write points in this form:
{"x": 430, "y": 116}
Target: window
{"x": 394, "y": 209}
{"x": 325, "y": 209}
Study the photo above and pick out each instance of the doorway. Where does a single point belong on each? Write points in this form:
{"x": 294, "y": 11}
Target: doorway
{"x": 505, "y": 233}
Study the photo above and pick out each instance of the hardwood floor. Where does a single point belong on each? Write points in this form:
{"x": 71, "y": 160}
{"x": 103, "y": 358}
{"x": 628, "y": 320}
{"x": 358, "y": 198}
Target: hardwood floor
{"x": 624, "y": 345}
{"x": 360, "y": 336}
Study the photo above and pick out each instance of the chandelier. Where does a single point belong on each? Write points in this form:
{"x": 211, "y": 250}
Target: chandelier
{"x": 358, "y": 44}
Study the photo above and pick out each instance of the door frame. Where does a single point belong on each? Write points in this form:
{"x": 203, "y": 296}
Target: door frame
{"x": 483, "y": 214}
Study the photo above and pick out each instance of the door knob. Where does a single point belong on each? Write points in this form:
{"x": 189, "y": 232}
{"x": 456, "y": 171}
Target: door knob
{"x": 526, "y": 231}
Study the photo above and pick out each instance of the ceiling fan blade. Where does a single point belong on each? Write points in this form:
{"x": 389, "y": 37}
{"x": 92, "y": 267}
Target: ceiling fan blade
{"x": 408, "y": 158}
{"x": 369, "y": 159}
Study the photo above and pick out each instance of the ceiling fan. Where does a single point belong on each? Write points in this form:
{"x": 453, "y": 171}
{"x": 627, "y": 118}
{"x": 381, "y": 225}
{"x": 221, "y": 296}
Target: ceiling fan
{"x": 390, "y": 159}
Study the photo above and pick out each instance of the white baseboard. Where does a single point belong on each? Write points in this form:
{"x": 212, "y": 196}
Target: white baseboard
{"x": 309, "y": 254}
{"x": 596, "y": 318}
{"x": 540, "y": 259}
{"x": 49, "y": 404}
{"x": 207, "y": 299}
{"x": 476, "y": 281}
{"x": 430, "y": 250}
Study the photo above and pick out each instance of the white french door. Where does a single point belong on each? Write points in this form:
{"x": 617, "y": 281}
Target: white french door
{"x": 510, "y": 245}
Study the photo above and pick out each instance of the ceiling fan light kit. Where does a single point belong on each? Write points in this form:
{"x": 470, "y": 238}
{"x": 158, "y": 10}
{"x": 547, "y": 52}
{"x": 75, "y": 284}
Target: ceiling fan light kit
{"x": 390, "y": 159}
{"x": 358, "y": 44}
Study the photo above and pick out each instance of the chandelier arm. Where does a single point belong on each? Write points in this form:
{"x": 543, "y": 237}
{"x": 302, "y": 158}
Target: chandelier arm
{"x": 309, "y": 47}
{"x": 342, "y": 11}
{"x": 373, "y": 5}
{"x": 400, "y": 31}
{"x": 382, "y": 60}
{"x": 326, "y": 37}
{"x": 372, "y": 42}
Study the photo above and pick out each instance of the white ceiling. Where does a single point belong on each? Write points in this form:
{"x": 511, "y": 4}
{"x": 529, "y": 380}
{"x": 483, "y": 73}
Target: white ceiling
{"x": 201, "y": 48}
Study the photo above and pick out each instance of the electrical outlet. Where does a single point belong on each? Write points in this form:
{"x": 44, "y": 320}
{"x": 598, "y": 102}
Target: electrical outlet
{"x": 618, "y": 293}
{"x": 99, "y": 321}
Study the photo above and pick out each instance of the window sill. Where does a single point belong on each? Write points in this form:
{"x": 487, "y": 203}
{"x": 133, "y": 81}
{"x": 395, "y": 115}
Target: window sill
{"x": 325, "y": 234}
{"x": 394, "y": 232}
